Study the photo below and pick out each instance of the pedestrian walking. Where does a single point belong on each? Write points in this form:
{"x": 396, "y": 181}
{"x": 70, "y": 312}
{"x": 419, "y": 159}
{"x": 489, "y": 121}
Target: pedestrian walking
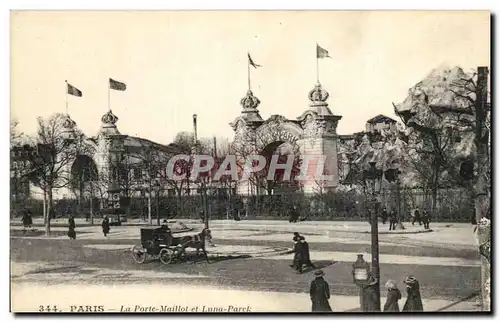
{"x": 27, "y": 220}
{"x": 105, "y": 226}
{"x": 393, "y": 220}
{"x": 393, "y": 296}
{"x": 384, "y": 215}
{"x": 416, "y": 217}
{"x": 306, "y": 256}
{"x": 320, "y": 293}
{"x": 294, "y": 214}
{"x": 298, "y": 253}
{"x": 426, "y": 218}
{"x": 72, "y": 227}
{"x": 413, "y": 300}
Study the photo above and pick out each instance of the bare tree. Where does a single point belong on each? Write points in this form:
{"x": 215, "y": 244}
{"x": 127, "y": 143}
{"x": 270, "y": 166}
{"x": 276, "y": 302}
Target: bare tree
{"x": 56, "y": 152}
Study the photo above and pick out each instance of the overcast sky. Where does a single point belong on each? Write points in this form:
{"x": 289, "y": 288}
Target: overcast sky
{"x": 176, "y": 64}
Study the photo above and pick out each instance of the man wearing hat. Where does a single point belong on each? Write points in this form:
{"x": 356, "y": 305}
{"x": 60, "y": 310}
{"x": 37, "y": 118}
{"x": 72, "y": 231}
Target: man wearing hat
{"x": 393, "y": 296}
{"x": 298, "y": 253}
{"x": 320, "y": 293}
{"x": 306, "y": 258}
{"x": 414, "y": 300}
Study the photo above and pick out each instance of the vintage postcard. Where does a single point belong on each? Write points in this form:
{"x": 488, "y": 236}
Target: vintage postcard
{"x": 250, "y": 161}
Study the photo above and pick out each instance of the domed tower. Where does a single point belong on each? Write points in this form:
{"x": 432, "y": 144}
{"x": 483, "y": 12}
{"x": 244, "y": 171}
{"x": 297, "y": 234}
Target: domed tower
{"x": 319, "y": 140}
{"x": 68, "y": 132}
{"x": 110, "y": 146}
{"x": 249, "y": 118}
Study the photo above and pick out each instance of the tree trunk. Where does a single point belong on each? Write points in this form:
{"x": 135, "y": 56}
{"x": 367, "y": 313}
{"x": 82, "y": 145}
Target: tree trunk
{"x": 434, "y": 188}
{"x": 150, "y": 218}
{"x": 48, "y": 212}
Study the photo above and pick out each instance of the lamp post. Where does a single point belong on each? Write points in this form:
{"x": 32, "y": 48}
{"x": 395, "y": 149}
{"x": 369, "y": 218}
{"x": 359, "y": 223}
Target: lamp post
{"x": 360, "y": 270}
{"x": 156, "y": 186}
{"x": 373, "y": 180}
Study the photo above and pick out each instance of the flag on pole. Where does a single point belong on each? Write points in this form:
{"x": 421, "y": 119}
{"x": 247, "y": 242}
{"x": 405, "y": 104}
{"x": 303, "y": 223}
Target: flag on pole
{"x": 251, "y": 62}
{"x": 116, "y": 85}
{"x": 321, "y": 52}
{"x": 72, "y": 90}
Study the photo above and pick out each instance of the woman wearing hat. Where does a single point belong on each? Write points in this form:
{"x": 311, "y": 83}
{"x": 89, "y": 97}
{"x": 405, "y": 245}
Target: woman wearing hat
{"x": 414, "y": 300}
{"x": 320, "y": 293}
{"x": 393, "y": 296}
{"x": 71, "y": 227}
{"x": 370, "y": 298}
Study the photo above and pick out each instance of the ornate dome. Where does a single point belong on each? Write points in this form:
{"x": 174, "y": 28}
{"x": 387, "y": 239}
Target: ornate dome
{"x": 318, "y": 96}
{"x": 109, "y": 118}
{"x": 68, "y": 123}
{"x": 249, "y": 101}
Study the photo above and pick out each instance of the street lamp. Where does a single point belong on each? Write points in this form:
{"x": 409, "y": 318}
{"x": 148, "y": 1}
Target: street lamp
{"x": 373, "y": 180}
{"x": 156, "y": 186}
{"x": 360, "y": 272}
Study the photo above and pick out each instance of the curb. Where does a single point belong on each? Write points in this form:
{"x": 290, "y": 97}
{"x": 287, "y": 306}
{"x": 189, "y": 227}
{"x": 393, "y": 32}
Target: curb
{"x": 401, "y": 232}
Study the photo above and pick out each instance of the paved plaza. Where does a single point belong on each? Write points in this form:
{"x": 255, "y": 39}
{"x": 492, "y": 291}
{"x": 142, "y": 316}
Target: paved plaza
{"x": 249, "y": 265}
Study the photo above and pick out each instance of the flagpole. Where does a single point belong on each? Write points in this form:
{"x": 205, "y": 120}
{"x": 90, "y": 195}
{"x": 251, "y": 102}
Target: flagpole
{"x": 66, "y": 92}
{"x": 317, "y": 68}
{"x": 109, "y": 97}
{"x": 317, "y": 64}
{"x": 248, "y": 68}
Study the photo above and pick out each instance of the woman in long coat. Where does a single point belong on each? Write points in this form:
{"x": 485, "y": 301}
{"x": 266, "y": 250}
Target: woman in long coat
{"x": 414, "y": 300}
{"x": 320, "y": 293}
{"x": 71, "y": 226}
{"x": 298, "y": 253}
{"x": 393, "y": 296}
{"x": 105, "y": 226}
{"x": 370, "y": 295}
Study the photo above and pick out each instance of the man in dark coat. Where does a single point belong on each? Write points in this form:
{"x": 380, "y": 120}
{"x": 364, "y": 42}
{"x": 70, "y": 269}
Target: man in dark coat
{"x": 298, "y": 254}
{"x": 426, "y": 218}
{"x": 370, "y": 295}
{"x": 384, "y": 215}
{"x": 71, "y": 227}
{"x": 393, "y": 220}
{"x": 414, "y": 300}
{"x": 105, "y": 226}
{"x": 320, "y": 293}
{"x": 393, "y": 296}
{"x": 295, "y": 239}
{"x": 416, "y": 217}
{"x": 27, "y": 220}
{"x": 294, "y": 214}
{"x": 306, "y": 257}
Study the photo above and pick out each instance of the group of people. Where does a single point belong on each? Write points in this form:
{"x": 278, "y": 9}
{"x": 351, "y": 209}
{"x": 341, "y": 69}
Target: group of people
{"x": 72, "y": 227}
{"x": 319, "y": 292}
{"x": 395, "y": 220}
{"x": 413, "y": 300}
{"x": 424, "y": 218}
{"x": 301, "y": 256}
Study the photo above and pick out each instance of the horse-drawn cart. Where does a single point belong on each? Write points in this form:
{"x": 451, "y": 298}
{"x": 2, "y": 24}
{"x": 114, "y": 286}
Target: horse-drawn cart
{"x": 159, "y": 243}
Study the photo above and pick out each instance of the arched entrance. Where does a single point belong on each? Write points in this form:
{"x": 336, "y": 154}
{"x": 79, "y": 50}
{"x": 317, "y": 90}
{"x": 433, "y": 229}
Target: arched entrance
{"x": 84, "y": 175}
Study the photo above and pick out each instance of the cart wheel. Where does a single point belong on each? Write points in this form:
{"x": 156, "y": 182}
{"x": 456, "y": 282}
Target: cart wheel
{"x": 166, "y": 256}
{"x": 139, "y": 254}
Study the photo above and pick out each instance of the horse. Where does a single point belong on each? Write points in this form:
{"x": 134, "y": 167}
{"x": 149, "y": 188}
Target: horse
{"x": 197, "y": 241}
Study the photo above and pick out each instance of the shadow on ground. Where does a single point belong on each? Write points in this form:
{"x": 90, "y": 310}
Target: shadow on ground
{"x": 318, "y": 265}
{"x": 198, "y": 259}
